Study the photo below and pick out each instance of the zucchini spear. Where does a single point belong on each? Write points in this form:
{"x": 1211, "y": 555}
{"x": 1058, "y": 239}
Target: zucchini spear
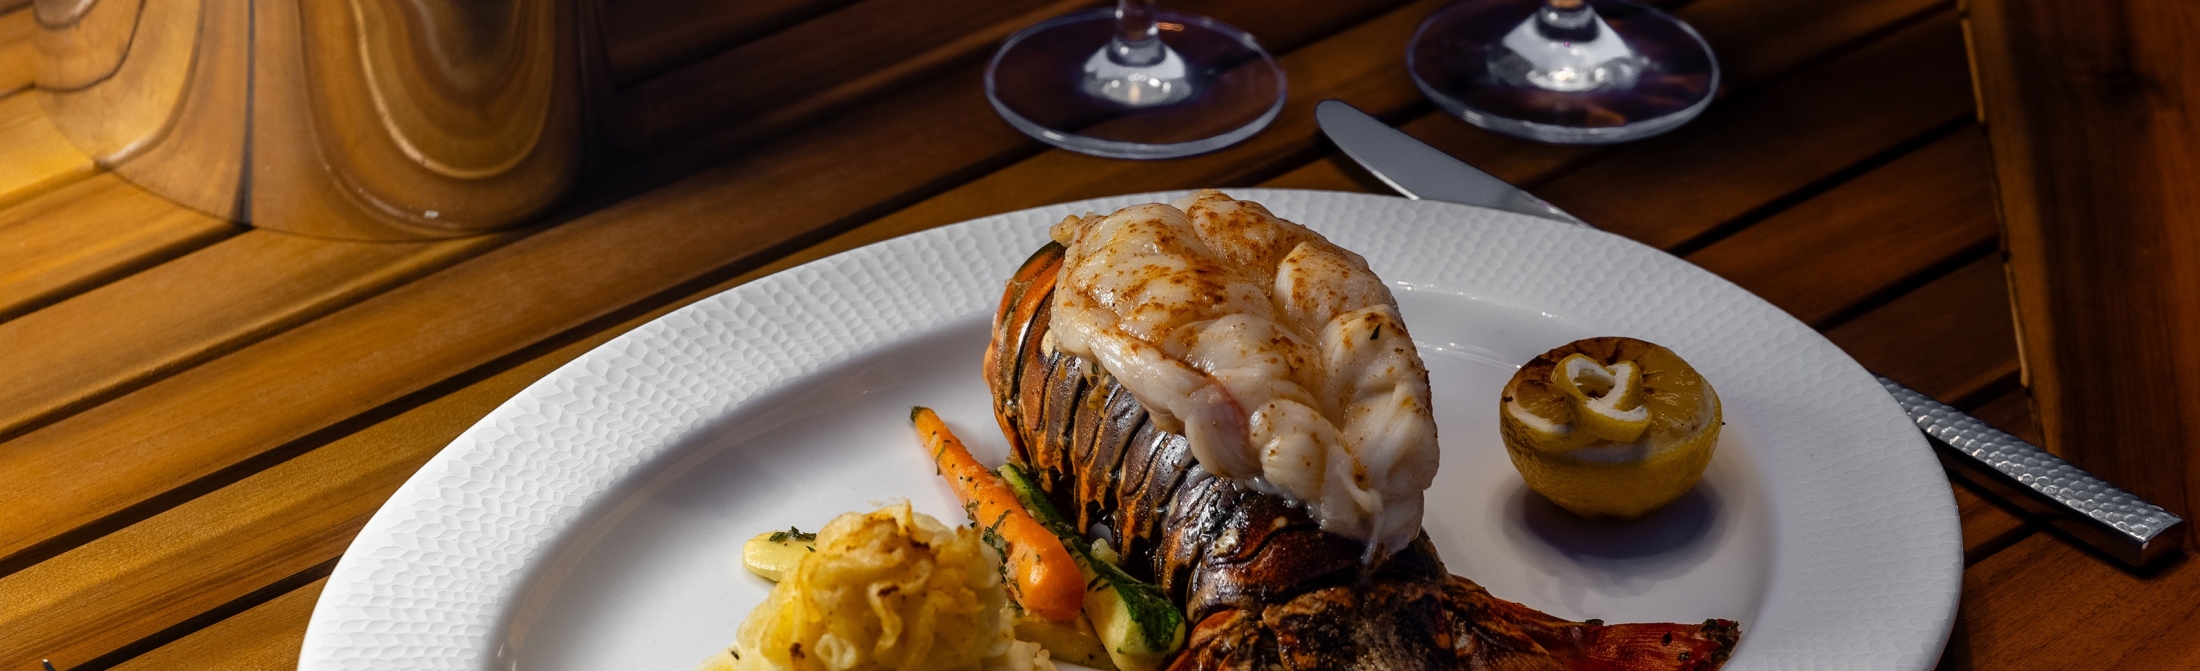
{"x": 1139, "y": 626}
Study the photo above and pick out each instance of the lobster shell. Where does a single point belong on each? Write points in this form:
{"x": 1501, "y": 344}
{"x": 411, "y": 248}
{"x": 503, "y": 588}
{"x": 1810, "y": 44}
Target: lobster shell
{"x": 1265, "y": 586}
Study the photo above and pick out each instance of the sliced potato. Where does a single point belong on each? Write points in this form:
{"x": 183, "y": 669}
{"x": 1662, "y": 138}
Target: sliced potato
{"x": 1072, "y": 641}
{"x": 774, "y": 554}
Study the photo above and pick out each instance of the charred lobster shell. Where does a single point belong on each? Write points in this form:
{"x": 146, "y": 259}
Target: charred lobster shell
{"x": 1265, "y": 586}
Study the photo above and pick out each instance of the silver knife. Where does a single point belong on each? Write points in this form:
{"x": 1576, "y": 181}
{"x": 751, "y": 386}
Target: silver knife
{"x": 2114, "y": 521}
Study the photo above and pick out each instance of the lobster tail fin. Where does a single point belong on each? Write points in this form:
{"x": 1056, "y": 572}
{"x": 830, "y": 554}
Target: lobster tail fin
{"x": 1014, "y": 330}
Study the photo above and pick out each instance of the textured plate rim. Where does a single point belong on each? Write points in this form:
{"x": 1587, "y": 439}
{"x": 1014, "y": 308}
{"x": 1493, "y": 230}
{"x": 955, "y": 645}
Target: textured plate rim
{"x": 406, "y": 596}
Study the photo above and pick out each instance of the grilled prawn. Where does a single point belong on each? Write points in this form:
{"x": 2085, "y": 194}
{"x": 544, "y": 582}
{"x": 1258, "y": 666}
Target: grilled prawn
{"x": 1211, "y": 312}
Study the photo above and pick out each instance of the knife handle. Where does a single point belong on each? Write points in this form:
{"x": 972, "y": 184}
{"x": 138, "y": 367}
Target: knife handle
{"x": 2114, "y": 521}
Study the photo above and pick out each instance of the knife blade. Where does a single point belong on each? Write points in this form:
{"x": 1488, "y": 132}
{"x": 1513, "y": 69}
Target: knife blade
{"x": 1422, "y": 172}
{"x": 2065, "y": 497}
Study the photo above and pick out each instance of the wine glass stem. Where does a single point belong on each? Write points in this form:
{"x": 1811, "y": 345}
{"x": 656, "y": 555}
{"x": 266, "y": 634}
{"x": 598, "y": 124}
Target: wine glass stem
{"x": 1137, "y": 40}
{"x": 1566, "y": 21}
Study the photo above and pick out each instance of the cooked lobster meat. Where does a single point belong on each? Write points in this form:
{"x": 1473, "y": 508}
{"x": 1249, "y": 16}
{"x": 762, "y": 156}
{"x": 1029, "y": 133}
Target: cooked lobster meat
{"x": 1277, "y": 354}
{"x": 1264, "y": 582}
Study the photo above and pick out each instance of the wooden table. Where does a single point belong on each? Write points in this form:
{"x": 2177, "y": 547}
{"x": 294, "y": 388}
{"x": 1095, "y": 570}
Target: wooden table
{"x": 196, "y": 417}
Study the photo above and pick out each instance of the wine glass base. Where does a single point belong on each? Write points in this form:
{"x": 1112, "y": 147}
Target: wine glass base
{"x": 1467, "y": 59}
{"x": 1562, "y": 134}
{"x": 1230, "y": 88}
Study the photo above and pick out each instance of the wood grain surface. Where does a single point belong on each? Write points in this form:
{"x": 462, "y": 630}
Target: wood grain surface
{"x": 39, "y": 158}
{"x": 195, "y": 307}
{"x": 215, "y": 410}
{"x": 264, "y": 638}
{"x": 2044, "y": 603}
{"x": 2090, "y": 107}
{"x": 649, "y": 38}
{"x": 16, "y": 51}
{"x": 1875, "y": 234}
{"x": 1938, "y": 339}
{"x": 87, "y": 233}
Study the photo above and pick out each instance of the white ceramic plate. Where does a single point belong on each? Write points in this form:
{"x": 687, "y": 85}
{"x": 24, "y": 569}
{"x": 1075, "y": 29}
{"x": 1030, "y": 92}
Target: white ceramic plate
{"x": 595, "y": 520}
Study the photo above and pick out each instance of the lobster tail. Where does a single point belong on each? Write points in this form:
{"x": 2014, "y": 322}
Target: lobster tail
{"x": 1265, "y": 586}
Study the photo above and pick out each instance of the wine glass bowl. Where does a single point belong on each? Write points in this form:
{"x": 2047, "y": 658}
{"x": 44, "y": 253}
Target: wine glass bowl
{"x": 1564, "y": 71}
{"x": 1135, "y": 82}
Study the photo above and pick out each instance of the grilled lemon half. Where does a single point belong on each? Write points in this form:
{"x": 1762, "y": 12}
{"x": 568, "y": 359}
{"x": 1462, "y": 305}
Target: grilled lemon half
{"x": 1610, "y": 427}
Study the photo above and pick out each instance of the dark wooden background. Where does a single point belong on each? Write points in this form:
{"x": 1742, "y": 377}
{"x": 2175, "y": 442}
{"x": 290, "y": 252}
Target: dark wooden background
{"x": 196, "y": 417}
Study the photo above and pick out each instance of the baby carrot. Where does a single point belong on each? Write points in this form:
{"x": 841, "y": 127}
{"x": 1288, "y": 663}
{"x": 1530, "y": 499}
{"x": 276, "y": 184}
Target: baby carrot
{"x": 1046, "y": 580}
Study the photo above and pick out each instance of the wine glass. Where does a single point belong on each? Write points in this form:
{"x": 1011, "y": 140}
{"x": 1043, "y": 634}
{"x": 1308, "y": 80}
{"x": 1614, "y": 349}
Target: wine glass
{"x": 1135, "y": 82}
{"x": 1564, "y": 71}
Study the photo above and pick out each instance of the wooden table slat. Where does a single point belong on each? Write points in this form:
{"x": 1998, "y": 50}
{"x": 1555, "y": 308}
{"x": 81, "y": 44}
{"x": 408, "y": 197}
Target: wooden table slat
{"x": 263, "y": 638}
{"x": 727, "y": 98}
{"x": 1893, "y": 90}
{"x": 1988, "y": 526}
{"x": 34, "y": 157}
{"x": 84, "y": 234}
{"x": 648, "y": 38}
{"x": 1809, "y": 31}
{"x": 1950, "y": 339}
{"x": 222, "y": 546}
{"x": 193, "y": 308}
{"x": 2043, "y": 603}
{"x": 1872, "y": 234}
{"x": 226, "y": 544}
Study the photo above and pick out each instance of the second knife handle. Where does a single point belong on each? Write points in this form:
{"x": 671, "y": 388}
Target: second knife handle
{"x": 2102, "y": 515}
